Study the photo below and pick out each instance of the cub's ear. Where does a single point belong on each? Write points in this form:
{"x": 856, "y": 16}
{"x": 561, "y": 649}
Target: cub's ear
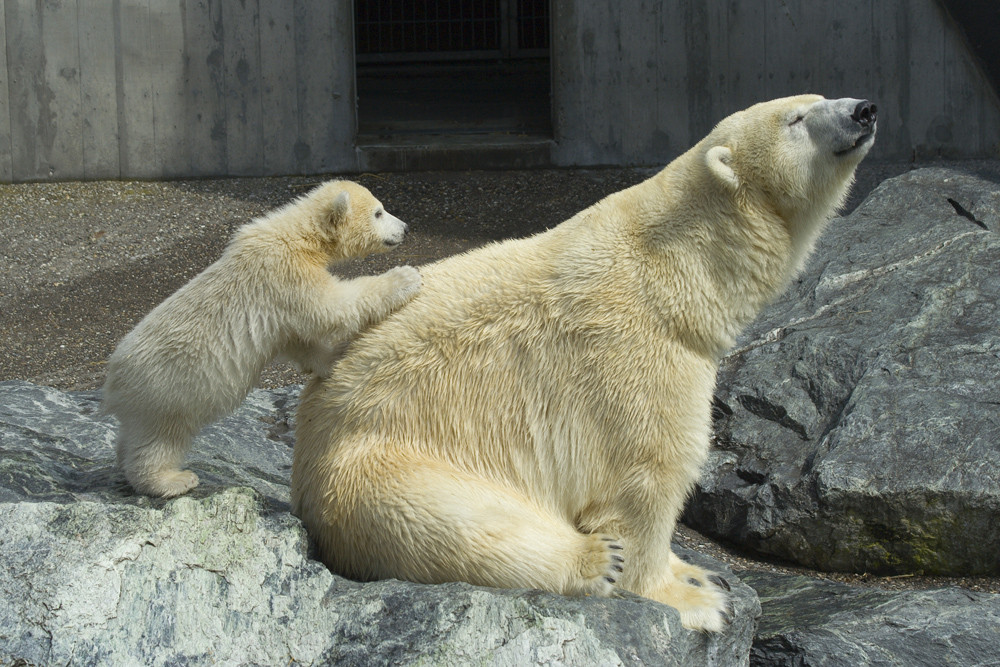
{"x": 340, "y": 208}
{"x": 719, "y": 159}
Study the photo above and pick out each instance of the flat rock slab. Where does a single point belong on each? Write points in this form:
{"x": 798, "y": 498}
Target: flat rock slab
{"x": 814, "y": 622}
{"x": 93, "y": 574}
{"x": 858, "y": 420}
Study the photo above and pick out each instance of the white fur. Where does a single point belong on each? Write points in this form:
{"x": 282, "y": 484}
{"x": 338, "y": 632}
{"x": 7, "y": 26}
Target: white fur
{"x": 195, "y": 357}
{"x": 544, "y": 401}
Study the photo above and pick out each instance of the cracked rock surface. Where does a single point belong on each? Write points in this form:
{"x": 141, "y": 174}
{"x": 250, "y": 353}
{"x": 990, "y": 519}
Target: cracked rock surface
{"x": 858, "y": 420}
{"x": 91, "y": 574}
{"x": 813, "y": 622}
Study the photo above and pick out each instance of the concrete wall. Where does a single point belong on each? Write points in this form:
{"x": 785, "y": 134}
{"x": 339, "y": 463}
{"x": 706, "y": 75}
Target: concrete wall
{"x": 169, "y": 88}
{"x": 641, "y": 80}
{"x": 165, "y": 88}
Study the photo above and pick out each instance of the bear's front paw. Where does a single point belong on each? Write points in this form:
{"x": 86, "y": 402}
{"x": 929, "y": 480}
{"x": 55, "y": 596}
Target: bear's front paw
{"x": 404, "y": 283}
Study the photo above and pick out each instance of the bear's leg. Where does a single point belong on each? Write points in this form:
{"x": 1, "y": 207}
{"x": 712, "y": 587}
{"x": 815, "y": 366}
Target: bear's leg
{"x": 431, "y": 522}
{"x": 645, "y": 522}
{"x": 150, "y": 453}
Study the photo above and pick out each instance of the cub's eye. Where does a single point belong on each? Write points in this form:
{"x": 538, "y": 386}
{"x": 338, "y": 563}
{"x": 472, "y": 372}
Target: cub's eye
{"x": 797, "y": 119}
{"x": 378, "y": 214}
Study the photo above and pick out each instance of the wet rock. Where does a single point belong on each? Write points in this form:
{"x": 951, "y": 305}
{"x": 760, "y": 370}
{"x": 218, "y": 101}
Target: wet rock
{"x": 858, "y": 421}
{"x": 92, "y": 574}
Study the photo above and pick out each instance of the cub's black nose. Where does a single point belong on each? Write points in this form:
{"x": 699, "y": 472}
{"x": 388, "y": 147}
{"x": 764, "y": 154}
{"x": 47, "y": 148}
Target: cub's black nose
{"x": 865, "y": 114}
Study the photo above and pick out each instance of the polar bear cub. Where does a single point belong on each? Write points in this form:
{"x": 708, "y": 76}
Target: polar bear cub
{"x": 195, "y": 357}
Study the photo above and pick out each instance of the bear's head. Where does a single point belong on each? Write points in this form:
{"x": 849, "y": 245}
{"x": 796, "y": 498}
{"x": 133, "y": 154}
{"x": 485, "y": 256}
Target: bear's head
{"x": 794, "y": 156}
{"x": 352, "y": 222}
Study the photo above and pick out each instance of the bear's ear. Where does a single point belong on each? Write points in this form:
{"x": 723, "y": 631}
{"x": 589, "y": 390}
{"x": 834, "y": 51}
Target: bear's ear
{"x": 340, "y": 207}
{"x": 719, "y": 160}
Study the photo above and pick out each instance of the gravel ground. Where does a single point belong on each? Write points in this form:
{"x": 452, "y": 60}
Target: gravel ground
{"x": 84, "y": 261}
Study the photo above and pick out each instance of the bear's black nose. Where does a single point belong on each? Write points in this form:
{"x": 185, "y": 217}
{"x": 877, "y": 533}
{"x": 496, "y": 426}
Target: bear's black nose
{"x": 865, "y": 113}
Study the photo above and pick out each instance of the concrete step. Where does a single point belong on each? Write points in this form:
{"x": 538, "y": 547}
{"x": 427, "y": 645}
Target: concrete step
{"x": 416, "y": 152}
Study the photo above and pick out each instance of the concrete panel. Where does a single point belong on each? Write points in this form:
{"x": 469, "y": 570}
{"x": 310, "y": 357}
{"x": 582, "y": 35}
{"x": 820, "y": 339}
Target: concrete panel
{"x": 136, "y": 81}
{"x": 204, "y": 83}
{"x": 585, "y": 83}
{"x": 279, "y": 102}
{"x": 324, "y": 75}
{"x": 640, "y": 84}
{"x": 244, "y": 120}
{"x": 968, "y": 114}
{"x": 165, "y": 53}
{"x": 30, "y": 101}
{"x": 98, "y": 98}
{"x": 60, "y": 145}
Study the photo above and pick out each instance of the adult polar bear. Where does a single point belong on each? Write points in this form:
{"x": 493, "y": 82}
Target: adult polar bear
{"x": 542, "y": 408}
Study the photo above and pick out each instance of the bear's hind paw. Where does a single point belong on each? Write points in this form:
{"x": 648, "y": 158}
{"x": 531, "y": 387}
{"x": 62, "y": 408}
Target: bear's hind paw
{"x": 701, "y": 597}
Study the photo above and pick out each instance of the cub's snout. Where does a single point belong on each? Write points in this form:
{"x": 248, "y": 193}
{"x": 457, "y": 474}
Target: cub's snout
{"x": 390, "y": 229}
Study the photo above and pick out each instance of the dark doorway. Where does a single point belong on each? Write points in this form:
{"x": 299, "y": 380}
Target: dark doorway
{"x": 452, "y": 68}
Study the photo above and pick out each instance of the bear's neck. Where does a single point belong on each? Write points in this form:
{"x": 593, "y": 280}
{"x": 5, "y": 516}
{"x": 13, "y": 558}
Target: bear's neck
{"x": 710, "y": 264}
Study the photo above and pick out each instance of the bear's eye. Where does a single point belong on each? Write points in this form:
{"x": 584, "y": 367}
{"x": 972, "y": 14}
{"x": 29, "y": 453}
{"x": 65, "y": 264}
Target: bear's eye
{"x": 378, "y": 214}
{"x": 797, "y": 119}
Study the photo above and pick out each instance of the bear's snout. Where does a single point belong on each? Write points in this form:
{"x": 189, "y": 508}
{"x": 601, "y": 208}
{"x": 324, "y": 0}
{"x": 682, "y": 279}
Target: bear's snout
{"x": 865, "y": 113}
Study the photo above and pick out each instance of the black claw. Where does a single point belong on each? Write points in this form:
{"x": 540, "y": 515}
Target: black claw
{"x": 614, "y": 546}
{"x": 617, "y": 558}
{"x": 610, "y": 580}
{"x": 617, "y": 568}
{"x": 694, "y": 582}
{"x": 730, "y": 613}
{"x": 720, "y": 582}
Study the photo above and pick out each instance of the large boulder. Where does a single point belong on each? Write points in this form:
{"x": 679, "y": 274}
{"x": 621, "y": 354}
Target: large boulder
{"x": 92, "y": 574}
{"x": 858, "y": 421}
{"x": 809, "y": 621}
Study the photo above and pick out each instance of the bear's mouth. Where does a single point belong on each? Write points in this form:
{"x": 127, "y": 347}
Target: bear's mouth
{"x": 858, "y": 143}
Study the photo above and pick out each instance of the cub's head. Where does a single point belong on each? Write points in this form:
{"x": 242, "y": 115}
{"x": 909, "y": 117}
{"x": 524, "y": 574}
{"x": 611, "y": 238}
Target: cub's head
{"x": 351, "y": 222}
{"x": 795, "y": 156}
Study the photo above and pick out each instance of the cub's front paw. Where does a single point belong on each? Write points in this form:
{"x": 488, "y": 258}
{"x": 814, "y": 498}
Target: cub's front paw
{"x": 404, "y": 282}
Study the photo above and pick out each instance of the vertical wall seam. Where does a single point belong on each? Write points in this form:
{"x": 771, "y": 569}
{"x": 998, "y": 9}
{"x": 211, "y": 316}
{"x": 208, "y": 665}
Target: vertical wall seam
{"x": 262, "y": 161}
{"x": 10, "y": 123}
{"x": 154, "y": 85}
{"x": 123, "y": 164}
{"x": 227, "y": 167}
{"x": 83, "y": 108}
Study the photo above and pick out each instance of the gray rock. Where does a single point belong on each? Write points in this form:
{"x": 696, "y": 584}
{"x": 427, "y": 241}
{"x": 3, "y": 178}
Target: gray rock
{"x": 813, "y": 622}
{"x": 93, "y": 574}
{"x": 858, "y": 421}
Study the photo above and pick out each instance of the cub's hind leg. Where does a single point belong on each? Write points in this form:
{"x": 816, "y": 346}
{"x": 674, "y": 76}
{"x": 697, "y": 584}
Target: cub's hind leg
{"x": 429, "y": 522}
